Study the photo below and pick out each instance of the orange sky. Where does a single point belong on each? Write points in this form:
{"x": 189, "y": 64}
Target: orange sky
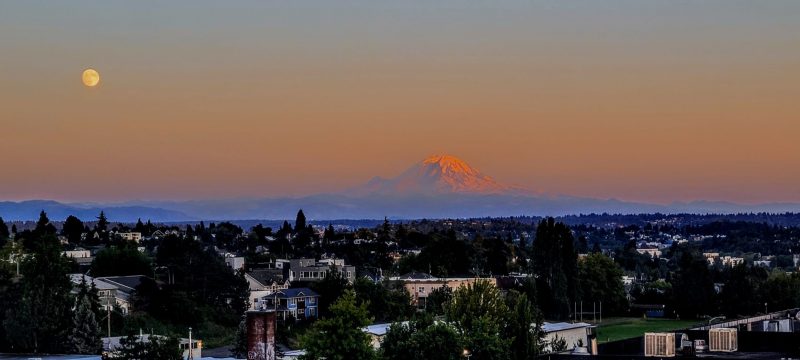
{"x": 636, "y": 100}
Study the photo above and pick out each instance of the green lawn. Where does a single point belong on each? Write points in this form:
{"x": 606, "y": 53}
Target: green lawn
{"x": 613, "y": 329}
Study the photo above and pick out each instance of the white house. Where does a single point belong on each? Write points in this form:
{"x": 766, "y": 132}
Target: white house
{"x": 235, "y": 262}
{"x": 574, "y": 334}
{"x": 131, "y": 236}
{"x": 78, "y": 253}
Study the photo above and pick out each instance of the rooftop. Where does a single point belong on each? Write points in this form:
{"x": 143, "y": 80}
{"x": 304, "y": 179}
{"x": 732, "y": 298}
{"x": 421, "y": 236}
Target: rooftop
{"x": 294, "y": 292}
{"x": 124, "y": 283}
{"x": 561, "y": 326}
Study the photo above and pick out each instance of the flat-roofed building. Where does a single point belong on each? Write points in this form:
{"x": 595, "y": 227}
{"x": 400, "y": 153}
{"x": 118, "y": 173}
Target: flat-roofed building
{"x": 420, "y": 285}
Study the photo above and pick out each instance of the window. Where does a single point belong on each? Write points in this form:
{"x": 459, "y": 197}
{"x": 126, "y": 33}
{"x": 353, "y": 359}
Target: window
{"x": 421, "y": 289}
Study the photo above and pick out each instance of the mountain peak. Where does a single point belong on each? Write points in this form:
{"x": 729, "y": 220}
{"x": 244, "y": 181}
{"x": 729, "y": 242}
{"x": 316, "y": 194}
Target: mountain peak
{"x": 450, "y": 164}
{"x": 437, "y": 175}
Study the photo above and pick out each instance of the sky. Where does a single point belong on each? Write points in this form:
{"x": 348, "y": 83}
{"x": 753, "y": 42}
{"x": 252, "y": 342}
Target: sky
{"x": 655, "y": 101}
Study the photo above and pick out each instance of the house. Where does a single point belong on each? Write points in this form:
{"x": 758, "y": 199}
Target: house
{"x": 105, "y": 291}
{"x": 372, "y": 274}
{"x": 235, "y": 262}
{"x": 81, "y": 256}
{"x": 126, "y": 287}
{"x": 731, "y": 261}
{"x": 263, "y": 282}
{"x": 420, "y": 285}
{"x": 763, "y": 263}
{"x": 311, "y": 270}
{"x": 300, "y": 303}
{"x": 77, "y": 253}
{"x": 575, "y": 335}
{"x": 131, "y": 236}
{"x": 377, "y": 332}
{"x": 113, "y": 290}
{"x": 711, "y": 257}
{"x": 653, "y": 252}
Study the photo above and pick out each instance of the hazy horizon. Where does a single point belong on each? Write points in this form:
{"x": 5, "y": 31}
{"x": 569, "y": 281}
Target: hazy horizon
{"x": 640, "y": 101}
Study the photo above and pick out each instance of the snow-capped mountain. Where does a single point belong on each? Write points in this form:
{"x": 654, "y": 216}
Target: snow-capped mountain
{"x": 437, "y": 175}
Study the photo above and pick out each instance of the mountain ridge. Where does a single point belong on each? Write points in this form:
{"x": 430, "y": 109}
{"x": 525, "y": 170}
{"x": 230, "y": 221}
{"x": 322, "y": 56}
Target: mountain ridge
{"x": 439, "y": 186}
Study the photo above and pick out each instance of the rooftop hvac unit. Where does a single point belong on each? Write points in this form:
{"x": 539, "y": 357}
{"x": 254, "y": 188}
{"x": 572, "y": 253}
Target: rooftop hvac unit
{"x": 659, "y": 344}
{"x": 722, "y": 340}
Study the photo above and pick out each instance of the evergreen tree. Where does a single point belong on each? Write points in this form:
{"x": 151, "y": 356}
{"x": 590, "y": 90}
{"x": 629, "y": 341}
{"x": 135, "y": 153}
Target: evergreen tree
{"x": 300, "y": 222}
{"x": 101, "y": 227}
{"x": 41, "y": 319}
{"x": 86, "y": 334}
{"x": 9, "y": 292}
{"x": 139, "y": 226}
{"x": 189, "y": 232}
{"x": 3, "y": 231}
{"x": 556, "y": 266}
{"x": 693, "y": 287}
{"x": 94, "y": 299}
{"x": 43, "y": 221}
{"x": 149, "y": 228}
{"x": 329, "y": 235}
{"x": 72, "y": 229}
{"x": 102, "y": 223}
{"x": 239, "y": 349}
{"x": 285, "y": 230}
{"x": 43, "y": 225}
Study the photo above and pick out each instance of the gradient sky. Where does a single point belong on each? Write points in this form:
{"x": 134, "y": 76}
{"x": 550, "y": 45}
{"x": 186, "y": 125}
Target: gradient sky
{"x": 637, "y": 100}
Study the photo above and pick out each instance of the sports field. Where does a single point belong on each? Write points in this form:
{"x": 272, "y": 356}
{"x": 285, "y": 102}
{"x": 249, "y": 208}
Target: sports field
{"x": 613, "y": 329}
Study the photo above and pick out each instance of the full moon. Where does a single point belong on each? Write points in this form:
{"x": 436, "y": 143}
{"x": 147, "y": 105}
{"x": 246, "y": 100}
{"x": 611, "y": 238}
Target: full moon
{"x": 90, "y": 77}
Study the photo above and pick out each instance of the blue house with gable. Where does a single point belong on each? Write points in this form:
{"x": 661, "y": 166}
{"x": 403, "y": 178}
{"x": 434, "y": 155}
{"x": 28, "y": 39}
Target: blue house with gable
{"x": 300, "y": 303}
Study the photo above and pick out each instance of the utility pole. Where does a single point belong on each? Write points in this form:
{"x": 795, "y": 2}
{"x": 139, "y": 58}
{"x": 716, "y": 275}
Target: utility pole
{"x": 191, "y": 357}
{"x": 108, "y": 316}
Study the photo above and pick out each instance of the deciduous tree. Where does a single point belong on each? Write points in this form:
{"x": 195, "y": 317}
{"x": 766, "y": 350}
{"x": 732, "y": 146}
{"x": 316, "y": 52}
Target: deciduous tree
{"x": 339, "y": 336}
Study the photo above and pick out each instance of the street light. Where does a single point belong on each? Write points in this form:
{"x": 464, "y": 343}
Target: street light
{"x": 467, "y": 354}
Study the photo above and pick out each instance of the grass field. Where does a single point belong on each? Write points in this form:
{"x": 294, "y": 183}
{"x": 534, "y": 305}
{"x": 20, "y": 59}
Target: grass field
{"x": 613, "y": 329}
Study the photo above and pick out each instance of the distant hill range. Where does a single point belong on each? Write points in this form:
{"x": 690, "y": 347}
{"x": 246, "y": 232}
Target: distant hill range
{"x": 441, "y": 186}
